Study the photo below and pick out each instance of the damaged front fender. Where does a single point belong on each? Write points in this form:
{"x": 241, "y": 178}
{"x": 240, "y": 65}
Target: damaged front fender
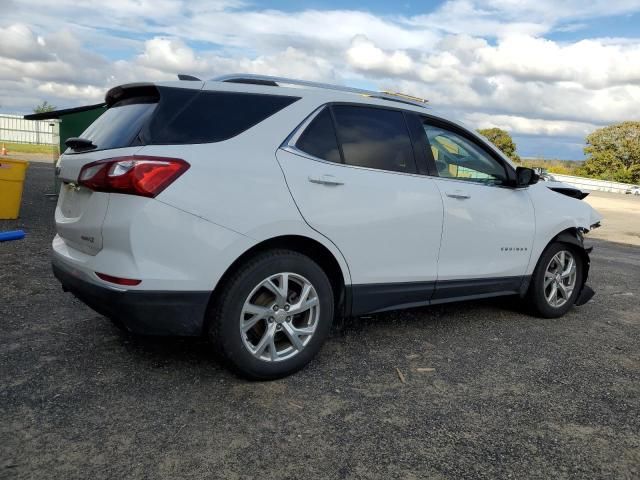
{"x": 575, "y": 237}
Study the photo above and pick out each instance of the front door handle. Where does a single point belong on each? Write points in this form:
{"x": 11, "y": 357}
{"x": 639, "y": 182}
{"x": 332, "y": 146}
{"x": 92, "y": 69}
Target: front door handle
{"x": 459, "y": 194}
{"x": 326, "y": 180}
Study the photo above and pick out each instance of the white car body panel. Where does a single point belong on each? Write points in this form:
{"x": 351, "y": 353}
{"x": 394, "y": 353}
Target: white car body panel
{"x": 80, "y": 213}
{"x": 488, "y": 230}
{"x": 259, "y": 205}
{"x": 387, "y": 224}
{"x": 555, "y": 213}
{"x": 158, "y": 244}
{"x": 244, "y": 183}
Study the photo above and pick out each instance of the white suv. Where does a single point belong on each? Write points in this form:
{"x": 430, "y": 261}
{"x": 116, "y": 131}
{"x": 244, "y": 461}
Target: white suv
{"x": 255, "y": 209}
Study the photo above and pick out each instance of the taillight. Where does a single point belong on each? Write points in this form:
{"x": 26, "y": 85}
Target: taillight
{"x": 133, "y": 175}
{"x": 118, "y": 280}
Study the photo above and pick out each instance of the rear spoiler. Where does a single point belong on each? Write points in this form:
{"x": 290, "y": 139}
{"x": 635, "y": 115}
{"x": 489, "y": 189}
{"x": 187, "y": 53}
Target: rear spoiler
{"x": 122, "y": 92}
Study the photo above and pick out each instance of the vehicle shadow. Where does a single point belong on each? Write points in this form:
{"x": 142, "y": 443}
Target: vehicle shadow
{"x": 164, "y": 350}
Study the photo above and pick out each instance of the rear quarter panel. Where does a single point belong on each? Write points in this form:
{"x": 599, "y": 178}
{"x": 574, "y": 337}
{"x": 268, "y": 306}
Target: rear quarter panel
{"x": 239, "y": 185}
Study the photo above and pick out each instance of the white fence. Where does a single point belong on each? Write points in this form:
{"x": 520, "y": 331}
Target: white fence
{"x": 13, "y": 128}
{"x": 593, "y": 184}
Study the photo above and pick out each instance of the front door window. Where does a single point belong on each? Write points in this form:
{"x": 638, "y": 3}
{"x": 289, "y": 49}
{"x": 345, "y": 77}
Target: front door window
{"x": 457, "y": 157}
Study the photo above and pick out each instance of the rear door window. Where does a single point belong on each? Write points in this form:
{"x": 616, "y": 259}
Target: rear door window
{"x": 374, "y": 137}
{"x": 319, "y": 139}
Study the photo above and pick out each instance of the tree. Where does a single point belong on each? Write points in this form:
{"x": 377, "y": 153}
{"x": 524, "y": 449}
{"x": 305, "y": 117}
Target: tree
{"x": 501, "y": 139}
{"x": 44, "y": 107}
{"x": 613, "y": 153}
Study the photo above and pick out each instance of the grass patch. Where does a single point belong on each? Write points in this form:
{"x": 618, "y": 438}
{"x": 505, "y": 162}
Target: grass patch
{"x": 27, "y": 148}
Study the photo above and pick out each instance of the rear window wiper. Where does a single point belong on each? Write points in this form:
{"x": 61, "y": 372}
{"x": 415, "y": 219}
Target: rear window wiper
{"x": 79, "y": 144}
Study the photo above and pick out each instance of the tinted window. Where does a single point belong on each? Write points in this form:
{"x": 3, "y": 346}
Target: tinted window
{"x": 203, "y": 117}
{"x": 319, "y": 139}
{"x": 375, "y": 138}
{"x": 457, "y": 157}
{"x": 118, "y": 126}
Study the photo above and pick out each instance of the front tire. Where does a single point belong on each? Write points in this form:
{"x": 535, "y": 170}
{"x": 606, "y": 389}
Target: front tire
{"x": 556, "y": 281}
{"x": 273, "y": 315}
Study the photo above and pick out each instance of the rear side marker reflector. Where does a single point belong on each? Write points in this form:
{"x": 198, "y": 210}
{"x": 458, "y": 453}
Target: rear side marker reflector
{"x": 129, "y": 282}
{"x": 132, "y": 175}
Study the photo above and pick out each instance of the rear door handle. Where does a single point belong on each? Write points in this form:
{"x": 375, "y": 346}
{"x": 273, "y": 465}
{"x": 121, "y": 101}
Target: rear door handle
{"x": 459, "y": 194}
{"x": 326, "y": 180}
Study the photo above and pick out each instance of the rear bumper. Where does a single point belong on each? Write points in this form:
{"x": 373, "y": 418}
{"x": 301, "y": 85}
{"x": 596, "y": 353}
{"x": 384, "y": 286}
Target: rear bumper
{"x": 143, "y": 312}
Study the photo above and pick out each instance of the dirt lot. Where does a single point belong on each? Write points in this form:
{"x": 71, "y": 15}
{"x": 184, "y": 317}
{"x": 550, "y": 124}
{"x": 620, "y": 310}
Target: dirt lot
{"x": 621, "y": 217}
{"x": 510, "y": 396}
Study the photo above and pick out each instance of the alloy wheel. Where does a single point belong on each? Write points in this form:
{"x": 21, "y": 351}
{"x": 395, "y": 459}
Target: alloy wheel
{"x": 279, "y": 317}
{"x": 560, "y": 278}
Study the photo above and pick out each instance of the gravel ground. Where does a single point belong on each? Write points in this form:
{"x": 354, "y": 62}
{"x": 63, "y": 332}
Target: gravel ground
{"x": 622, "y": 217}
{"x": 509, "y": 395}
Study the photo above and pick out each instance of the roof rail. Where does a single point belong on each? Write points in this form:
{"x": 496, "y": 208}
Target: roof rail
{"x": 405, "y": 96}
{"x": 276, "y": 81}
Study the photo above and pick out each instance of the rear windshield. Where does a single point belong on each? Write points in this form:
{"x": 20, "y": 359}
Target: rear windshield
{"x": 182, "y": 116}
{"x": 119, "y": 125}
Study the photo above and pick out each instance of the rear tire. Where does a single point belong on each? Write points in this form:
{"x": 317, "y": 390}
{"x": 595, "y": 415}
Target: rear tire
{"x": 556, "y": 281}
{"x": 272, "y": 316}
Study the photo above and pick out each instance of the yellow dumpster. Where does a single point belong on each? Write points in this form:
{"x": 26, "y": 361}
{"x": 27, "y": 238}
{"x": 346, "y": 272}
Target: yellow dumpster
{"x": 12, "y": 173}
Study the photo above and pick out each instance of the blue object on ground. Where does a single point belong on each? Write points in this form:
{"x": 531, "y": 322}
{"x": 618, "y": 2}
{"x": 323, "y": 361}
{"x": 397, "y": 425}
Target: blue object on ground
{"x": 12, "y": 235}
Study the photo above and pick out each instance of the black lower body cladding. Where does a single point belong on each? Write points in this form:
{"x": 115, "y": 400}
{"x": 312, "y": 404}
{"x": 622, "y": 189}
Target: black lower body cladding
{"x": 142, "y": 312}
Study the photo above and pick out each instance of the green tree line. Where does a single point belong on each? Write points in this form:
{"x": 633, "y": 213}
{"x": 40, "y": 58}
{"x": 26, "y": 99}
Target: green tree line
{"x": 612, "y": 153}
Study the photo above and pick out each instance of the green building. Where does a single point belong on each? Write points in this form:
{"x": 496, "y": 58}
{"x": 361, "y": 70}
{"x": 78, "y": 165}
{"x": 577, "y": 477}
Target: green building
{"x": 71, "y": 122}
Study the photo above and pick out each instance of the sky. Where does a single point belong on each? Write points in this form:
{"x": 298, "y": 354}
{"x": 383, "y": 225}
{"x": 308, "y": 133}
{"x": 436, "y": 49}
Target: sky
{"x": 549, "y": 72}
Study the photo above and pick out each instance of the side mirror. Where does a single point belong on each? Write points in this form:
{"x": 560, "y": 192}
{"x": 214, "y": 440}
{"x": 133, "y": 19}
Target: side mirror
{"x": 526, "y": 176}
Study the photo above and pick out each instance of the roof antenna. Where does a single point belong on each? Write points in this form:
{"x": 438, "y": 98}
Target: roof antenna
{"x": 190, "y": 78}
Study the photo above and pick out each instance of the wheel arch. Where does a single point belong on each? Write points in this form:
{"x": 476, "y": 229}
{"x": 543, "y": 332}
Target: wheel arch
{"x": 575, "y": 236}
{"x": 572, "y": 236}
{"x": 298, "y": 243}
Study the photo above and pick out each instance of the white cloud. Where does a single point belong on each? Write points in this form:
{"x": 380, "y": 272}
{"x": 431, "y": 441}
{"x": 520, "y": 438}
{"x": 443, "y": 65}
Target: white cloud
{"x": 473, "y": 18}
{"x": 364, "y": 55}
{"x": 19, "y": 42}
{"x": 530, "y": 126}
{"x": 485, "y": 62}
{"x": 554, "y": 11}
{"x": 499, "y": 18}
{"x": 586, "y": 80}
{"x": 85, "y": 93}
{"x": 588, "y": 62}
{"x": 170, "y": 55}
